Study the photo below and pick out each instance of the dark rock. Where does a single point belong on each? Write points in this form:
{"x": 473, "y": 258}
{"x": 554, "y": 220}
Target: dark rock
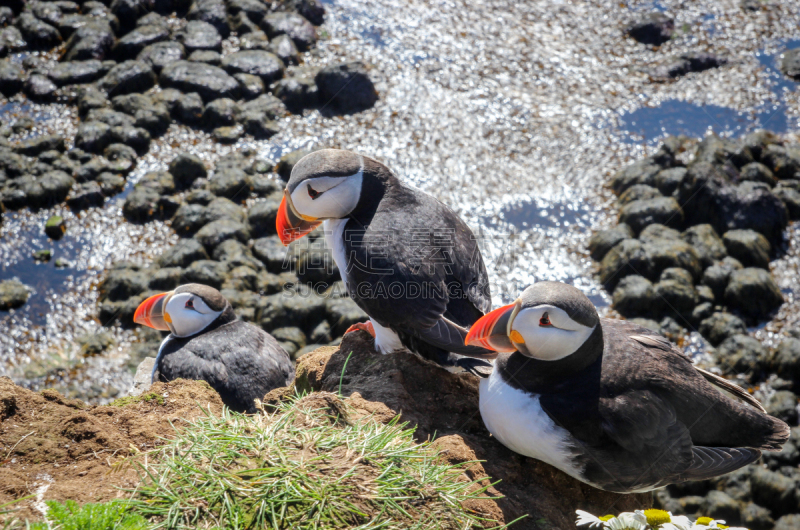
{"x": 129, "y": 11}
{"x": 141, "y": 205}
{"x": 229, "y": 183}
{"x": 708, "y": 197}
{"x": 720, "y": 326}
{"x": 262, "y": 217}
{"x": 206, "y": 272}
{"x": 758, "y": 172}
{"x": 342, "y": 313}
{"x": 132, "y": 44}
{"x": 783, "y": 161}
{"x": 321, "y": 334}
{"x": 783, "y": 405}
{"x": 13, "y": 294}
{"x": 184, "y": 253}
{"x": 259, "y": 125}
{"x": 635, "y": 295}
{"x": 91, "y": 98}
{"x": 216, "y": 232}
{"x": 42, "y": 255}
{"x": 122, "y": 158}
{"x": 39, "y": 144}
{"x": 162, "y": 54}
{"x": 199, "y": 196}
{"x": 702, "y": 311}
{"x": 189, "y": 109}
{"x": 185, "y": 168}
{"x": 211, "y": 12}
{"x": 255, "y": 40}
{"x": 289, "y": 308}
{"x": 241, "y": 24}
{"x": 756, "y": 517}
{"x": 228, "y": 134}
{"x": 210, "y": 82}
{"x": 705, "y": 294}
{"x": 654, "y": 232}
{"x": 654, "y": 28}
{"x": 753, "y": 292}
{"x": 6, "y": 15}
{"x": 790, "y": 198}
{"x": 76, "y": 72}
{"x": 40, "y": 88}
{"x": 122, "y": 284}
{"x": 253, "y": 9}
{"x": 718, "y": 275}
{"x": 211, "y": 57}
{"x": 637, "y": 192}
{"x": 668, "y": 181}
{"x": 91, "y": 41}
{"x": 260, "y": 63}
{"x": 241, "y": 278}
{"x": 152, "y": 19}
{"x": 705, "y": 241}
{"x": 199, "y": 35}
{"x": 297, "y": 93}
{"x": 168, "y": 97}
{"x": 127, "y": 77}
{"x": 250, "y": 86}
{"x": 235, "y": 254}
{"x": 749, "y": 247}
{"x": 86, "y": 195}
{"x": 313, "y": 10}
{"x": 154, "y": 118}
{"x": 284, "y": 48}
{"x": 222, "y": 208}
{"x": 346, "y": 88}
{"x": 741, "y": 354}
{"x": 604, "y": 240}
{"x": 641, "y": 172}
{"x": 12, "y": 78}
{"x": 287, "y": 162}
{"x": 720, "y": 505}
{"x": 788, "y": 522}
{"x": 790, "y": 63}
{"x": 786, "y": 361}
{"x": 135, "y": 137}
{"x": 221, "y": 112}
{"x": 294, "y": 25}
{"x": 663, "y": 254}
{"x": 266, "y": 105}
{"x": 679, "y": 298}
{"x": 683, "y": 64}
{"x": 55, "y": 228}
{"x": 112, "y": 118}
{"x": 663, "y": 210}
{"x": 37, "y": 34}
{"x": 110, "y": 183}
{"x": 273, "y": 254}
{"x": 189, "y": 219}
{"x": 49, "y": 189}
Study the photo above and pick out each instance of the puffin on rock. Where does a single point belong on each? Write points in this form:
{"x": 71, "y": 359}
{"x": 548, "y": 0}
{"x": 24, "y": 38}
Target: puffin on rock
{"x": 208, "y": 342}
{"x": 406, "y": 259}
{"x": 608, "y": 402}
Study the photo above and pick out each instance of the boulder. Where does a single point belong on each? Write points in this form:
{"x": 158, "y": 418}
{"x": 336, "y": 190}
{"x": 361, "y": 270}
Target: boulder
{"x": 211, "y": 57}
{"x": 39, "y": 144}
{"x": 638, "y": 192}
{"x": 12, "y": 78}
{"x": 230, "y": 183}
{"x": 640, "y": 172}
{"x": 209, "y": 82}
{"x": 162, "y": 54}
{"x": 189, "y": 108}
{"x": 640, "y": 213}
{"x": 211, "y": 12}
{"x": 654, "y": 28}
{"x": 263, "y": 64}
{"x": 749, "y": 247}
{"x": 254, "y": 10}
{"x": 720, "y": 505}
{"x": 604, "y": 240}
{"x": 758, "y": 172}
{"x": 783, "y": 405}
{"x": 199, "y": 35}
{"x": 668, "y": 181}
{"x": 273, "y": 254}
{"x": 753, "y": 292}
{"x": 294, "y": 25}
{"x": 447, "y": 404}
{"x": 717, "y": 276}
{"x": 86, "y": 195}
{"x": 39, "y": 88}
{"x": 635, "y": 296}
{"x": 680, "y": 65}
{"x": 38, "y": 34}
{"x": 250, "y": 86}
{"x": 141, "y": 205}
{"x": 182, "y": 254}
{"x": 786, "y": 361}
{"x": 705, "y": 241}
{"x": 13, "y": 294}
{"x": 221, "y": 112}
{"x": 719, "y": 326}
{"x": 313, "y": 10}
{"x": 128, "y": 76}
{"x": 741, "y": 354}
{"x": 297, "y": 93}
{"x": 186, "y": 168}
{"x": 129, "y": 11}
{"x": 132, "y": 44}
{"x": 90, "y": 41}
{"x": 216, "y": 232}
{"x": 77, "y": 72}
{"x": 284, "y": 48}
{"x": 346, "y": 88}
{"x": 206, "y": 272}
{"x": 790, "y": 63}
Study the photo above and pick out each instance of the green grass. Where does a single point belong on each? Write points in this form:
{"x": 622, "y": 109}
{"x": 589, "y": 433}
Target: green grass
{"x": 108, "y": 516}
{"x": 304, "y": 466}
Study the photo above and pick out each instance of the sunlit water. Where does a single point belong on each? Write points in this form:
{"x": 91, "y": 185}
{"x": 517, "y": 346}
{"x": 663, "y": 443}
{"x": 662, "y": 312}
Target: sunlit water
{"x": 513, "y": 113}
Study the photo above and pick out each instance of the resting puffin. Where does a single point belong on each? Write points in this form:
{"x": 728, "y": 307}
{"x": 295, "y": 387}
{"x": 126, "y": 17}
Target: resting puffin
{"x": 208, "y": 342}
{"x": 406, "y": 259}
{"x": 608, "y": 402}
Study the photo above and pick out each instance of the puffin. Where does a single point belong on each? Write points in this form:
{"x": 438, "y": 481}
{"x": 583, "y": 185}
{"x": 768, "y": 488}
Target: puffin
{"x": 208, "y": 342}
{"x": 611, "y": 403}
{"x": 405, "y": 258}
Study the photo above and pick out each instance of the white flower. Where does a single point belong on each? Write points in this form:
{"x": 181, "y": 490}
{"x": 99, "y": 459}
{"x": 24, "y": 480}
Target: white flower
{"x": 677, "y": 522}
{"x": 708, "y": 524}
{"x": 627, "y": 521}
{"x": 587, "y": 518}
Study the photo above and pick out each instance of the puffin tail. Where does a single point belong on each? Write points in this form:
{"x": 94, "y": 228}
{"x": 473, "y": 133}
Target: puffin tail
{"x": 777, "y": 434}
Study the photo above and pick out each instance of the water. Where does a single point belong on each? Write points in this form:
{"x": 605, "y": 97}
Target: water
{"x": 513, "y": 113}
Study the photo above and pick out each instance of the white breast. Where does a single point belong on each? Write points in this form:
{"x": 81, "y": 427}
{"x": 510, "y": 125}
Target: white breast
{"x": 517, "y": 420}
{"x": 158, "y": 357}
{"x": 334, "y": 240}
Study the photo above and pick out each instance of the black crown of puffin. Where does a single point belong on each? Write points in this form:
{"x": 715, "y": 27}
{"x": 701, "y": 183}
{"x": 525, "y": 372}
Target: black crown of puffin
{"x": 325, "y": 184}
{"x": 184, "y": 312}
{"x": 549, "y": 321}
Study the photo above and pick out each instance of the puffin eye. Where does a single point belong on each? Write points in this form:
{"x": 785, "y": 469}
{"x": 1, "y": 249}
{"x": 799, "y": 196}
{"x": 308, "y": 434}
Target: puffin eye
{"x": 545, "y": 321}
{"x": 313, "y": 193}
{"x": 189, "y": 303}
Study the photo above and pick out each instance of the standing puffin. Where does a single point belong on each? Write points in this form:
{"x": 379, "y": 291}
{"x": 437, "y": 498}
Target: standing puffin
{"x": 208, "y": 342}
{"x": 608, "y": 402}
{"x": 406, "y": 259}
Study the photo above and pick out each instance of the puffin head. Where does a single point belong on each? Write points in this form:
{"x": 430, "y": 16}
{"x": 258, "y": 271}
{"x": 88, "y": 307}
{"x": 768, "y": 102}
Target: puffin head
{"x": 184, "y": 312}
{"x": 549, "y": 321}
{"x": 325, "y": 184}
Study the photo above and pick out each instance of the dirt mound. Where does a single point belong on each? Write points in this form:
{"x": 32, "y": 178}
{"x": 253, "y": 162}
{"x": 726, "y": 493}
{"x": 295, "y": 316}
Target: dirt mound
{"x": 58, "y": 448}
{"x": 446, "y": 405}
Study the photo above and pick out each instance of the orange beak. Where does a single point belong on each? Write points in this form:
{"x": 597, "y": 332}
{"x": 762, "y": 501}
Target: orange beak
{"x": 290, "y": 224}
{"x": 492, "y": 330}
{"x": 152, "y": 312}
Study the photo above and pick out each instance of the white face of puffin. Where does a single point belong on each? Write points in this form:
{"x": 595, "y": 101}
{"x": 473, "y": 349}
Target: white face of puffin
{"x": 323, "y": 198}
{"x": 187, "y": 314}
{"x": 547, "y": 333}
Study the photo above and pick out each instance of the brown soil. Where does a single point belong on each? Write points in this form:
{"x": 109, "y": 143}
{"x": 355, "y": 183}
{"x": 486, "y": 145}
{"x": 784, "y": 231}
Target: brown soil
{"x": 58, "y": 448}
{"x": 445, "y": 406}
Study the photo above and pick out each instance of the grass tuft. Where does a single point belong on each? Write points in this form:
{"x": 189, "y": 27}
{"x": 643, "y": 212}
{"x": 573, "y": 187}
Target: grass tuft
{"x": 107, "y": 516}
{"x": 301, "y": 467}
{"x": 127, "y": 400}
